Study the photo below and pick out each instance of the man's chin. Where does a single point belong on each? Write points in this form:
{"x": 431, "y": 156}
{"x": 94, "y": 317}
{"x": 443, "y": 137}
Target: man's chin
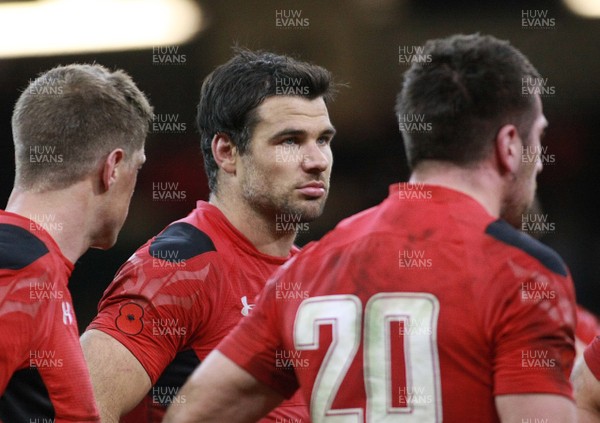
{"x": 104, "y": 244}
{"x": 312, "y": 211}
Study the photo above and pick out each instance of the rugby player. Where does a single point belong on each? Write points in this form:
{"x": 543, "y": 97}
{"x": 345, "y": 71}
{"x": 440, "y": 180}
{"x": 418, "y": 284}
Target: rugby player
{"x": 79, "y": 134}
{"x": 265, "y": 135}
{"x": 431, "y": 306}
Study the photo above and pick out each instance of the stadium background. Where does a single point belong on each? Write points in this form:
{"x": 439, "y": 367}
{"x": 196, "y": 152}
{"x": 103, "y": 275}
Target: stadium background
{"x": 358, "y": 40}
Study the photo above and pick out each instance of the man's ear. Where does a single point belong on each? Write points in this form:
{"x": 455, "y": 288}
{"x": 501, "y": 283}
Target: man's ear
{"x": 111, "y": 168}
{"x": 509, "y": 148}
{"x": 224, "y": 152}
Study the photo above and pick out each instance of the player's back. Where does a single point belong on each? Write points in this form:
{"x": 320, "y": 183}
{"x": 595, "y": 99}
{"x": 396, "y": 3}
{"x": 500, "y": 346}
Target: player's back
{"x": 43, "y": 376}
{"x": 434, "y": 307}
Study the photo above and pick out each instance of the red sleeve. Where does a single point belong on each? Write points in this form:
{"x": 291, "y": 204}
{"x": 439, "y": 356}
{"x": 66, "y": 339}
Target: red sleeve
{"x": 154, "y": 309}
{"x": 587, "y": 325}
{"x": 255, "y": 345}
{"x": 592, "y": 357}
{"x": 532, "y": 323}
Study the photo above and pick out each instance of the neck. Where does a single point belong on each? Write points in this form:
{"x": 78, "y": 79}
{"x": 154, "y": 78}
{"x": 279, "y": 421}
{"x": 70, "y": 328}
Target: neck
{"x": 478, "y": 182}
{"x": 258, "y": 228}
{"x": 61, "y": 213}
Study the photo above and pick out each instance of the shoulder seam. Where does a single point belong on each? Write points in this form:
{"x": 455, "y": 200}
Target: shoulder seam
{"x": 180, "y": 241}
{"x": 502, "y": 231}
{"x": 22, "y": 248}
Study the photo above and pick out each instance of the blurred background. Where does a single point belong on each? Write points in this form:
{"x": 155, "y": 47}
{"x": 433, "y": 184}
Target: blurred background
{"x": 361, "y": 42}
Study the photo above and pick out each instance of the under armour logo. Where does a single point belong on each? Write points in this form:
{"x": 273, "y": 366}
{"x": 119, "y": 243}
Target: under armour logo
{"x": 67, "y": 315}
{"x": 247, "y": 307}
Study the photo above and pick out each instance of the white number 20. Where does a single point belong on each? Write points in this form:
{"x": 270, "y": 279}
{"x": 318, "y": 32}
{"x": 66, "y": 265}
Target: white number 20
{"x": 418, "y": 312}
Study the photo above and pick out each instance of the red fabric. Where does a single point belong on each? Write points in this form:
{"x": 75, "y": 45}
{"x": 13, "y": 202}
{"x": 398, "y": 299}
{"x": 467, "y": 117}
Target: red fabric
{"x": 157, "y": 309}
{"x": 588, "y": 326}
{"x": 592, "y": 357}
{"x": 38, "y": 328}
{"x": 505, "y": 322}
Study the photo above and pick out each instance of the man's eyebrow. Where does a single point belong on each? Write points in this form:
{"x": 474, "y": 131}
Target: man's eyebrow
{"x": 329, "y": 131}
{"x": 300, "y": 132}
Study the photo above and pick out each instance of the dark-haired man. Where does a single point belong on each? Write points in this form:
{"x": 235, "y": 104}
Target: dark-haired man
{"x": 429, "y": 307}
{"x": 268, "y": 159}
{"x": 79, "y": 134}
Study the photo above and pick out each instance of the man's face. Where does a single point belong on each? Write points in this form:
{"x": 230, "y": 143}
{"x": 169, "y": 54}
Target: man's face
{"x": 522, "y": 192}
{"x": 286, "y": 168}
{"x": 116, "y": 207}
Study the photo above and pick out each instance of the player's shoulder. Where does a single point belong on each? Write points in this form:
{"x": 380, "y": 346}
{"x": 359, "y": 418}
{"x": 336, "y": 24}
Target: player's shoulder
{"x": 350, "y": 236}
{"x": 19, "y": 247}
{"x": 180, "y": 241}
{"x": 355, "y": 226}
{"x": 179, "y": 252}
{"x": 502, "y": 232}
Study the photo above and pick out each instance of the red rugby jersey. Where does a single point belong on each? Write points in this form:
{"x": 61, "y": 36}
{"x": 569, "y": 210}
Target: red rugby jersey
{"x": 592, "y": 357}
{"x": 43, "y": 375}
{"x": 424, "y": 307}
{"x": 174, "y": 300}
{"x": 588, "y": 326}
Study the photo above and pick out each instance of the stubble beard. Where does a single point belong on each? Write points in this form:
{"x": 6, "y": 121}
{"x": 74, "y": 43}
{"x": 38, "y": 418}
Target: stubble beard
{"x": 276, "y": 205}
{"x": 273, "y": 203}
{"x": 516, "y": 206}
{"x": 513, "y": 213}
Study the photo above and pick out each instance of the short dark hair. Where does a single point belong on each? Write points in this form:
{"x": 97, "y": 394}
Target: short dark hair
{"x": 72, "y": 116}
{"x": 231, "y": 94}
{"x": 467, "y": 89}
